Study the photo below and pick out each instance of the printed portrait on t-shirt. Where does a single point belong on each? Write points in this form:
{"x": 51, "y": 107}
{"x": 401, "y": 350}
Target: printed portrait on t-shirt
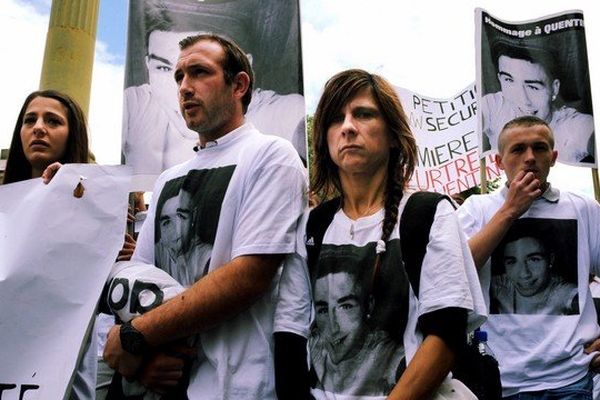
{"x": 534, "y": 269}
{"x": 187, "y": 216}
{"x": 356, "y": 339}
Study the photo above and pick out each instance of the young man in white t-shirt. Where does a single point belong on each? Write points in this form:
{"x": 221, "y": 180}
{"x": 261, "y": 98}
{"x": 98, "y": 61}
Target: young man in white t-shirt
{"x": 540, "y": 351}
{"x": 246, "y": 194}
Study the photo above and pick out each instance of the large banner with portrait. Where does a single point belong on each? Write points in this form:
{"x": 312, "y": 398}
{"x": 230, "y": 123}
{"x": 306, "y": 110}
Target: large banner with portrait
{"x": 155, "y": 136}
{"x": 540, "y": 68}
{"x": 444, "y": 129}
{"x": 58, "y": 243}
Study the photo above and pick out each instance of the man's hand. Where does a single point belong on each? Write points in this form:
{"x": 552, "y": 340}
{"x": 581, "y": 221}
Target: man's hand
{"x": 163, "y": 369}
{"x": 128, "y": 248}
{"x": 118, "y": 359}
{"x": 523, "y": 190}
{"x": 590, "y": 348}
{"x": 50, "y": 171}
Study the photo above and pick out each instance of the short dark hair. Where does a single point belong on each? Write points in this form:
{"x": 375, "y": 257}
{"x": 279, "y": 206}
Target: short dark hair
{"x": 526, "y": 231}
{"x": 521, "y": 231}
{"x": 234, "y": 60}
{"x": 170, "y": 190}
{"x": 524, "y": 121}
{"x": 156, "y": 18}
{"x": 18, "y": 167}
{"x": 533, "y": 53}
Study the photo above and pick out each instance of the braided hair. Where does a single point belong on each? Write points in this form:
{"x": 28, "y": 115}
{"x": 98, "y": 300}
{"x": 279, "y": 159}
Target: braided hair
{"x": 339, "y": 90}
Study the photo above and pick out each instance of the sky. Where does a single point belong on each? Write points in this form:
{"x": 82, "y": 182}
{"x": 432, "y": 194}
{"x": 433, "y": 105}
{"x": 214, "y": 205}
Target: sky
{"x": 426, "y": 46}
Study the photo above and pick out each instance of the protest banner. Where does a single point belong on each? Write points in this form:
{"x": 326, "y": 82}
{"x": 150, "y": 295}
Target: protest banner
{"x": 537, "y": 67}
{"x": 58, "y": 244}
{"x": 155, "y": 136}
{"x": 448, "y": 160}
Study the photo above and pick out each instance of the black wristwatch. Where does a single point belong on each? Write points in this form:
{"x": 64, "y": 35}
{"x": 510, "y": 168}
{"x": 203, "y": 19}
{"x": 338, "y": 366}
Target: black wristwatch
{"x": 132, "y": 340}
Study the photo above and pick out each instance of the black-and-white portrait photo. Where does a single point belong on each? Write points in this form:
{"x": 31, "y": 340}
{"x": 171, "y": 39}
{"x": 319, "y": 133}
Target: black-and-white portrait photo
{"x": 356, "y": 339}
{"x": 155, "y": 136}
{"x": 537, "y": 68}
{"x": 187, "y": 215}
{"x": 534, "y": 269}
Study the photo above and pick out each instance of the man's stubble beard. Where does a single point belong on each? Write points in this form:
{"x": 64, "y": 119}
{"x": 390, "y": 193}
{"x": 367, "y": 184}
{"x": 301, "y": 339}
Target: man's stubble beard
{"x": 215, "y": 118}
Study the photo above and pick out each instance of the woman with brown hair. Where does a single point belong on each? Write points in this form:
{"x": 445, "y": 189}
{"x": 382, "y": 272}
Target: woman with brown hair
{"x": 51, "y": 130}
{"x": 51, "y": 127}
{"x": 374, "y": 332}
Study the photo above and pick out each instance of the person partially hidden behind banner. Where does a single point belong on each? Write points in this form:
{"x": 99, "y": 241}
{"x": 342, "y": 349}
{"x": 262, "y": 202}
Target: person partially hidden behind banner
{"x": 529, "y": 285}
{"x": 155, "y": 136}
{"x": 372, "y": 337}
{"x": 263, "y": 194}
{"x": 541, "y": 356}
{"x": 51, "y": 128}
{"x": 530, "y": 85}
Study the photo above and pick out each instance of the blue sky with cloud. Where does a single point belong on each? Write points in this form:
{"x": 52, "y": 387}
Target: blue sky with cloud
{"x": 112, "y": 27}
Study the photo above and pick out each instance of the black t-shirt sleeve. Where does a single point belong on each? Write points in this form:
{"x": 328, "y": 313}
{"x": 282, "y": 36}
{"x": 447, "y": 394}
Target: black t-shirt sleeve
{"x": 449, "y": 323}
{"x": 291, "y": 367}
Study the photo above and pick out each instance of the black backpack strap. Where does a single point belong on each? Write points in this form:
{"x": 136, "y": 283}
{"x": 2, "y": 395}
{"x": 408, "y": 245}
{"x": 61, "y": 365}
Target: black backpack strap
{"x": 415, "y": 225}
{"x": 318, "y": 221}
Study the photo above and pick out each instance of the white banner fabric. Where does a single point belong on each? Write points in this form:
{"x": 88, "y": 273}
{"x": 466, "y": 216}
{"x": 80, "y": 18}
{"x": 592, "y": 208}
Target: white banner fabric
{"x": 57, "y": 245}
{"x": 448, "y": 159}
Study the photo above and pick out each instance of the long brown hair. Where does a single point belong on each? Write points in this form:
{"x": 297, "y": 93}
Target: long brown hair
{"x": 76, "y": 151}
{"x": 340, "y": 89}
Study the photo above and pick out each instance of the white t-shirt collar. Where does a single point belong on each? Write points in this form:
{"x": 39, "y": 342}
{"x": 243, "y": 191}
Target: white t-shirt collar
{"x": 227, "y": 138}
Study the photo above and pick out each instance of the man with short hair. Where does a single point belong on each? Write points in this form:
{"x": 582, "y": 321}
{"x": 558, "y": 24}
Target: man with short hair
{"x": 249, "y": 192}
{"x": 530, "y": 85}
{"x": 540, "y": 354}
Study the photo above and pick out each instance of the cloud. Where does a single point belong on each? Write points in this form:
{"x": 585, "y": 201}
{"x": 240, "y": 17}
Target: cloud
{"x": 20, "y": 75}
{"x": 405, "y": 44}
{"x": 22, "y": 60}
{"x": 106, "y": 107}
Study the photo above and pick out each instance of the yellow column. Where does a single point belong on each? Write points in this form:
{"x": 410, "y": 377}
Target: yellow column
{"x": 70, "y": 44}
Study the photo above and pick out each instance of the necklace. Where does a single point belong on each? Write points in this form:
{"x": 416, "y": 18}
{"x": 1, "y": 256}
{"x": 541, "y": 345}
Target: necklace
{"x": 359, "y": 217}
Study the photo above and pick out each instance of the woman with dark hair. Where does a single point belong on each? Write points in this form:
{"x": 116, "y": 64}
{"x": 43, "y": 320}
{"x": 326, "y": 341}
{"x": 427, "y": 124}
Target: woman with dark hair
{"x": 376, "y": 336}
{"x": 51, "y": 127}
{"x": 51, "y": 130}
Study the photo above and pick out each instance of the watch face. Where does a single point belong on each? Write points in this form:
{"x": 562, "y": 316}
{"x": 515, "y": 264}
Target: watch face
{"x": 132, "y": 340}
{"x": 133, "y": 344}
